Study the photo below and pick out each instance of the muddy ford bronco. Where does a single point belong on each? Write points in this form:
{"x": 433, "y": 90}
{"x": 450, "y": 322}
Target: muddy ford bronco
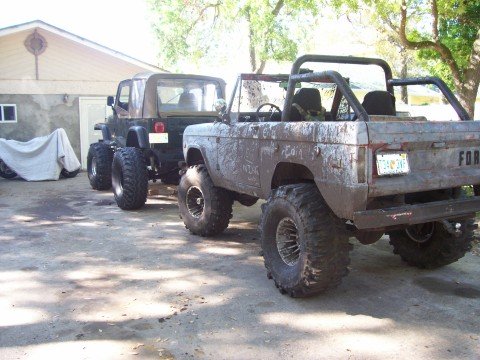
{"x": 142, "y": 141}
{"x": 332, "y": 167}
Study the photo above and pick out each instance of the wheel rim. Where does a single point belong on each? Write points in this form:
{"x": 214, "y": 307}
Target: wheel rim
{"x": 287, "y": 241}
{"x": 195, "y": 201}
{"x": 94, "y": 167}
{"x": 117, "y": 181}
{"x": 420, "y": 233}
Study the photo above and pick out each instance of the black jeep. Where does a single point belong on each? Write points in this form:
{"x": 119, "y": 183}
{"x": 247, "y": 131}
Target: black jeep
{"x": 142, "y": 141}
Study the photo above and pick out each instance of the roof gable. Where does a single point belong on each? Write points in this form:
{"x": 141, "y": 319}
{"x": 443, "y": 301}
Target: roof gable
{"x": 38, "y": 24}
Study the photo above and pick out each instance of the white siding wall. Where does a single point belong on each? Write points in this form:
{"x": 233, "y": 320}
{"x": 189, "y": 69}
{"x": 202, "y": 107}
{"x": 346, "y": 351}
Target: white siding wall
{"x": 66, "y": 66}
{"x": 16, "y": 62}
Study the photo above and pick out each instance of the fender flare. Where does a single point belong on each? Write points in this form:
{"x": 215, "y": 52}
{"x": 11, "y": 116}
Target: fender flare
{"x": 138, "y": 137}
{"x": 106, "y": 135}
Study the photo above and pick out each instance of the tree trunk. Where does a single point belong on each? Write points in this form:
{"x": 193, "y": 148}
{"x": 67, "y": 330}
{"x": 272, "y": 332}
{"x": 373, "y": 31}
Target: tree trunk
{"x": 403, "y": 75}
{"x": 251, "y": 45}
{"x": 467, "y": 98}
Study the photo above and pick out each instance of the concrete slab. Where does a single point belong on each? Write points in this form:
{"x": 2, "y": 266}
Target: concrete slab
{"x": 81, "y": 279}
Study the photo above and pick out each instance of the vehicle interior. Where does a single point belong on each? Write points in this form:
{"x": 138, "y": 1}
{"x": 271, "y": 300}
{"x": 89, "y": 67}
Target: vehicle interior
{"x": 186, "y": 95}
{"x": 261, "y": 98}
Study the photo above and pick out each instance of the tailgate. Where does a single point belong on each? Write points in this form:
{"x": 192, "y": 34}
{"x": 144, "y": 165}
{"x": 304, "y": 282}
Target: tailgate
{"x": 175, "y": 126}
{"x": 440, "y": 155}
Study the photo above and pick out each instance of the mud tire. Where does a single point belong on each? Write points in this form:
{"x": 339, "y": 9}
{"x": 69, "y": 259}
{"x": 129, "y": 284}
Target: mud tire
{"x": 205, "y": 209}
{"x": 323, "y": 247}
{"x": 442, "y": 248}
{"x": 99, "y": 166}
{"x": 5, "y": 171}
{"x": 129, "y": 178}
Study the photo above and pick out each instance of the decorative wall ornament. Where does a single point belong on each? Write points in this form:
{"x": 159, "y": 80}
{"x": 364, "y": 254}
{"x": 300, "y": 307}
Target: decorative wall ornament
{"x": 36, "y": 44}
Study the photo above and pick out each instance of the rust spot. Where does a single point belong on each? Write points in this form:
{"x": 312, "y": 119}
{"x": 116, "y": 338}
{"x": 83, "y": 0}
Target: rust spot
{"x": 403, "y": 214}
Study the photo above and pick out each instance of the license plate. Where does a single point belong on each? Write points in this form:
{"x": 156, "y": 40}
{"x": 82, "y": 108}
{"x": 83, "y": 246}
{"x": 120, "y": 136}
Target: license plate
{"x": 158, "y": 138}
{"x": 392, "y": 164}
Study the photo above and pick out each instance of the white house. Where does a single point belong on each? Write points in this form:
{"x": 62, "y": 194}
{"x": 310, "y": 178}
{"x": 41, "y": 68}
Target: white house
{"x": 50, "y": 78}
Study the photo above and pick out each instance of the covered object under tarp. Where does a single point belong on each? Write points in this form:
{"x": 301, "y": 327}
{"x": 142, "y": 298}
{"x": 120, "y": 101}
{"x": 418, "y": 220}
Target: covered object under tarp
{"x": 41, "y": 158}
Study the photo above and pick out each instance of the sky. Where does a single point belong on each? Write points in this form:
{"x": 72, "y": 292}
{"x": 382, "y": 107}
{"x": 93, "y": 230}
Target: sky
{"x": 122, "y": 25}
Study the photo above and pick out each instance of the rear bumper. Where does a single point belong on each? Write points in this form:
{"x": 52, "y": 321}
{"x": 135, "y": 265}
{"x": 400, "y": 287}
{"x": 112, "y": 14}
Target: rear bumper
{"x": 416, "y": 214}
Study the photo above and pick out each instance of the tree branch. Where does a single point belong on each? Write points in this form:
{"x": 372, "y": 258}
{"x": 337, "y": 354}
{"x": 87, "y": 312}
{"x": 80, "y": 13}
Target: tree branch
{"x": 202, "y": 12}
{"x": 278, "y": 7}
{"x": 441, "y": 49}
{"x": 436, "y": 39}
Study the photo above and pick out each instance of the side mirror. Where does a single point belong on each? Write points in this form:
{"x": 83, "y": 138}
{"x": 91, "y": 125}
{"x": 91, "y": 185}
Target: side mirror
{"x": 110, "y": 100}
{"x": 220, "y": 106}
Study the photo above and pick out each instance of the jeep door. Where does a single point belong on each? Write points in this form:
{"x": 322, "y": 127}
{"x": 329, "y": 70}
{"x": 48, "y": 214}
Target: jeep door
{"x": 121, "y": 120}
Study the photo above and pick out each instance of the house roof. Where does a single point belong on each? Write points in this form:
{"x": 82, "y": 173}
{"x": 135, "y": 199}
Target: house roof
{"x": 39, "y": 24}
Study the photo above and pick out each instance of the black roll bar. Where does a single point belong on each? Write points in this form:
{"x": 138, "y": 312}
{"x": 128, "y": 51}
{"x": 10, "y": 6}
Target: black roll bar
{"x": 459, "y": 109}
{"x": 320, "y": 76}
{"x": 336, "y": 77}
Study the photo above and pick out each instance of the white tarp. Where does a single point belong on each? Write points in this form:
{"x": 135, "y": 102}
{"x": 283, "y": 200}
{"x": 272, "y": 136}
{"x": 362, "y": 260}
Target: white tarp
{"x": 42, "y": 158}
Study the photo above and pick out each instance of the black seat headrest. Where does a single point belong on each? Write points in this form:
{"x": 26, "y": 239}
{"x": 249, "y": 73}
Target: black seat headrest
{"x": 187, "y": 101}
{"x": 308, "y": 99}
{"x": 379, "y": 103}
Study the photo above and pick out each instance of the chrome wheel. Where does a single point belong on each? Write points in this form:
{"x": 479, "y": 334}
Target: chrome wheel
{"x": 94, "y": 166}
{"x": 195, "y": 201}
{"x": 287, "y": 241}
{"x": 117, "y": 179}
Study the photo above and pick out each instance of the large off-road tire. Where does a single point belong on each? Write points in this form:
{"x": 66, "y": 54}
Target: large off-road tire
{"x": 430, "y": 245}
{"x": 129, "y": 178}
{"x": 5, "y": 171}
{"x": 305, "y": 246}
{"x": 205, "y": 209}
{"x": 99, "y": 166}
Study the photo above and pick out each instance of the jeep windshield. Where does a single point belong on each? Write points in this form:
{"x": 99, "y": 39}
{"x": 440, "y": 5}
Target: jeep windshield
{"x": 187, "y": 96}
{"x": 256, "y": 93}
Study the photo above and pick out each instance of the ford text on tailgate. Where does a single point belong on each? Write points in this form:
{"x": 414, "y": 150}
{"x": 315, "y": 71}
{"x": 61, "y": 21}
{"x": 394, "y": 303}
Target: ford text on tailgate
{"x": 332, "y": 167}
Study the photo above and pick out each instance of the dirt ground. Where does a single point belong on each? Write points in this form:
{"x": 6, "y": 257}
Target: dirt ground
{"x": 81, "y": 279}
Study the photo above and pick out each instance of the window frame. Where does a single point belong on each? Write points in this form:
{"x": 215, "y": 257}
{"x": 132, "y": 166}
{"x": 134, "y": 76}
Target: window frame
{"x": 2, "y": 114}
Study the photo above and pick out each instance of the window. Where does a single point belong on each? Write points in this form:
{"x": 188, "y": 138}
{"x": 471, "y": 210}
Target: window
{"x": 8, "y": 113}
{"x": 123, "y": 98}
{"x": 187, "y": 95}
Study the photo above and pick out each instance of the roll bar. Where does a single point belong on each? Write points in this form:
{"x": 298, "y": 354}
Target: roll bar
{"x": 320, "y": 76}
{"x": 335, "y": 77}
{"x": 459, "y": 109}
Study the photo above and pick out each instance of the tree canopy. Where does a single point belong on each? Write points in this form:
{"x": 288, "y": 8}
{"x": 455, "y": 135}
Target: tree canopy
{"x": 445, "y": 34}
{"x": 195, "y": 28}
